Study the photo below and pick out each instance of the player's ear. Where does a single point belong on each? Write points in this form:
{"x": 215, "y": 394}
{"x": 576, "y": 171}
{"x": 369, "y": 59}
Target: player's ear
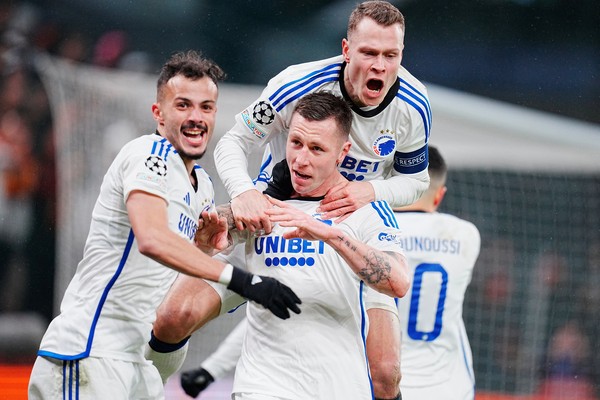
{"x": 343, "y": 153}
{"x": 439, "y": 196}
{"x": 157, "y": 114}
{"x": 345, "y": 49}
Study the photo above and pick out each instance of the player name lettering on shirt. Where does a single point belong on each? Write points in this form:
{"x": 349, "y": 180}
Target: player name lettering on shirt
{"x": 430, "y": 244}
{"x": 187, "y": 226}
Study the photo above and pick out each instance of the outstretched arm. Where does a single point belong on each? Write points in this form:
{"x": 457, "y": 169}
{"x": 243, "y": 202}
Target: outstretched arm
{"x": 149, "y": 221}
{"x": 385, "y": 271}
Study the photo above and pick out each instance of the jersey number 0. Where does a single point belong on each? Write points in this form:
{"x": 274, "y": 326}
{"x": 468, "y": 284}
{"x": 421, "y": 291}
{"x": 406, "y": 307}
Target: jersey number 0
{"x": 435, "y": 275}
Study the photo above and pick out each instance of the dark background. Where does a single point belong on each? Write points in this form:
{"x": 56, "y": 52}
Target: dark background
{"x": 541, "y": 54}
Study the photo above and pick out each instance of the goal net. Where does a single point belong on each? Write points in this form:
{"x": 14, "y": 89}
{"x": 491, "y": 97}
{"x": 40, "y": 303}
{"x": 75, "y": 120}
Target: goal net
{"x": 537, "y": 278}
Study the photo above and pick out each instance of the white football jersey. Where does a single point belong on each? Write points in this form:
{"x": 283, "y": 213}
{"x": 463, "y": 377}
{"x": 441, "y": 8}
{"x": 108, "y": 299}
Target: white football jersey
{"x": 388, "y": 139}
{"x": 110, "y": 304}
{"x": 441, "y": 250}
{"x": 319, "y": 353}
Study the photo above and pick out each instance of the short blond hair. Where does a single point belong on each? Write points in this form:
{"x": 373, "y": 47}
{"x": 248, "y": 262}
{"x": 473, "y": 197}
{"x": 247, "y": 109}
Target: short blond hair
{"x": 381, "y": 12}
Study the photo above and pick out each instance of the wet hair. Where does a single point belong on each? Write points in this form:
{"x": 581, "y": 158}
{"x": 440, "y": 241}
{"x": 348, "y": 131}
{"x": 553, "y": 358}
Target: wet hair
{"x": 323, "y": 105}
{"x": 192, "y": 65}
{"x": 437, "y": 168}
{"x": 381, "y": 12}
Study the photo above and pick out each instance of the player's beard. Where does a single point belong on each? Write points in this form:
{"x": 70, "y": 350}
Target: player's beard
{"x": 199, "y": 126}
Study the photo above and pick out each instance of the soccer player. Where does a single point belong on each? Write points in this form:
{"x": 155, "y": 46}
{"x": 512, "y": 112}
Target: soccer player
{"x": 387, "y": 160}
{"x": 436, "y": 357}
{"x": 441, "y": 250}
{"x": 142, "y": 231}
{"x": 390, "y": 128}
{"x": 321, "y": 353}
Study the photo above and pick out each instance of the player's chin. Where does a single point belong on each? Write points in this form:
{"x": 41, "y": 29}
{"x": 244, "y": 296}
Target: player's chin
{"x": 195, "y": 153}
{"x": 372, "y": 98}
{"x": 300, "y": 186}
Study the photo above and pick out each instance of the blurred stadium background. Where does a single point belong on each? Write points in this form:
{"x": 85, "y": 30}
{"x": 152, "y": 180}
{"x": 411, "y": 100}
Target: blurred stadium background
{"x": 519, "y": 129}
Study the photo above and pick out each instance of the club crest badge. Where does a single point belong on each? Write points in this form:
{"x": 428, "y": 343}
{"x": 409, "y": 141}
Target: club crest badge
{"x": 384, "y": 145}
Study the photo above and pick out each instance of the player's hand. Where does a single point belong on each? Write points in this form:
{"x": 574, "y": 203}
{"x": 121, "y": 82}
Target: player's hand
{"x": 345, "y": 198}
{"x": 212, "y": 232}
{"x": 307, "y": 227}
{"x": 195, "y": 381}
{"x": 249, "y": 211}
{"x": 266, "y": 291}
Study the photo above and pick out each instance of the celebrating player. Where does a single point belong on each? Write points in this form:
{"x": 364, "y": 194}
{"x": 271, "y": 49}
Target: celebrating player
{"x": 387, "y": 160}
{"x": 143, "y": 226}
{"x": 321, "y": 352}
{"x": 436, "y": 357}
{"x": 441, "y": 250}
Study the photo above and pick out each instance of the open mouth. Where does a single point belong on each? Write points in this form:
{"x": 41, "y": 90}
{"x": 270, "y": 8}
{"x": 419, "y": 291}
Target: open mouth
{"x": 375, "y": 85}
{"x": 301, "y": 176}
{"x": 194, "y": 134}
{"x": 194, "y": 131}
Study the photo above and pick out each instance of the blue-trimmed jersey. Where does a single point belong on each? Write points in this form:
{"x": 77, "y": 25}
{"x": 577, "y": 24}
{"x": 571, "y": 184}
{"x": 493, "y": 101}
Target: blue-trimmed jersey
{"x": 110, "y": 304}
{"x": 387, "y": 140}
{"x": 319, "y": 353}
{"x": 441, "y": 250}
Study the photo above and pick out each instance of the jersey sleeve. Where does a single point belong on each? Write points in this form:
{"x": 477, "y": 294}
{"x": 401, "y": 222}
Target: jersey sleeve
{"x": 409, "y": 178}
{"x": 145, "y": 172}
{"x": 375, "y": 225}
{"x": 267, "y": 120}
{"x": 254, "y": 127}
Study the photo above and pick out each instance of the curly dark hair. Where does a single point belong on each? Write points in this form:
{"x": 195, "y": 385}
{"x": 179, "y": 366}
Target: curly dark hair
{"x": 190, "y": 64}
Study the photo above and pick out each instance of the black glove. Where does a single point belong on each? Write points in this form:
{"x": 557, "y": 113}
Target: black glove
{"x": 266, "y": 291}
{"x": 195, "y": 381}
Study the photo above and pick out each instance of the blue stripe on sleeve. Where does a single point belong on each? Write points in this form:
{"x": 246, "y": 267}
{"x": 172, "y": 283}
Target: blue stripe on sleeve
{"x": 275, "y": 98}
{"x": 306, "y": 89}
{"x": 418, "y": 101}
{"x": 385, "y": 212}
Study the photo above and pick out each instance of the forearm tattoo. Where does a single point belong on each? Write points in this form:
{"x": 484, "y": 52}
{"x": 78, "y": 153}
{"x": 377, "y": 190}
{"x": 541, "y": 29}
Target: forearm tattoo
{"x": 377, "y": 264}
{"x": 224, "y": 210}
{"x": 377, "y": 267}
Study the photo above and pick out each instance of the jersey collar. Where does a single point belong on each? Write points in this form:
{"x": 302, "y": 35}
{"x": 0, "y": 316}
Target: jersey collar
{"x": 389, "y": 97}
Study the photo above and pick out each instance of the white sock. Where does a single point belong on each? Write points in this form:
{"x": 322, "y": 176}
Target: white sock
{"x": 167, "y": 363}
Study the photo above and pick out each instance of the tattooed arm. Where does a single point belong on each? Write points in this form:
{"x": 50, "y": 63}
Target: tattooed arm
{"x": 385, "y": 271}
{"x": 224, "y": 211}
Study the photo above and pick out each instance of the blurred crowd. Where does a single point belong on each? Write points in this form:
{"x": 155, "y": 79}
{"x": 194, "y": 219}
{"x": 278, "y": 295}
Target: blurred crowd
{"x": 27, "y": 155}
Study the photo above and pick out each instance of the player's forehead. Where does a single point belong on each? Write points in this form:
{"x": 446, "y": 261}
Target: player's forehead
{"x": 323, "y": 132}
{"x": 197, "y": 90}
{"x": 368, "y": 29}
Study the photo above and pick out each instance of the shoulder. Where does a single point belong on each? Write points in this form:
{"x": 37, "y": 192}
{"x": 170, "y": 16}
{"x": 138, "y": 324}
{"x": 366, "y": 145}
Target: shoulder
{"x": 451, "y": 223}
{"x": 314, "y": 71}
{"x": 408, "y": 81}
{"x": 460, "y": 223}
{"x": 378, "y": 213}
{"x": 142, "y": 146}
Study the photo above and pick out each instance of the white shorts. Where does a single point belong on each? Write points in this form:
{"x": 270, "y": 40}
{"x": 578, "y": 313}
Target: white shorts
{"x": 94, "y": 378}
